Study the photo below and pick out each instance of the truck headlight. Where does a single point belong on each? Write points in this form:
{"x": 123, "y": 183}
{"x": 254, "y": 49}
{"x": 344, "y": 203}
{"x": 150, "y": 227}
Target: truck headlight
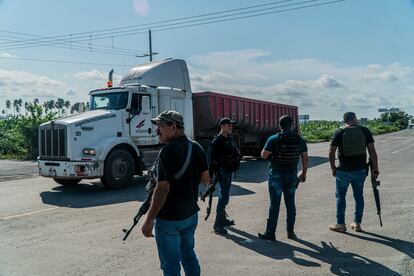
{"x": 89, "y": 151}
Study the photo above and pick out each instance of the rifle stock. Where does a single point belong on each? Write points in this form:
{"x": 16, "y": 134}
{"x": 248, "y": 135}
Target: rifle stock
{"x": 375, "y": 183}
{"x": 209, "y": 192}
{"x": 147, "y": 203}
{"x": 142, "y": 211}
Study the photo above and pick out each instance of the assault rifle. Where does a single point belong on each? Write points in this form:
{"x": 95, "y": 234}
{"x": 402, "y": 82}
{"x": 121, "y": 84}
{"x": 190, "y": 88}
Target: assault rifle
{"x": 209, "y": 192}
{"x": 375, "y": 183}
{"x": 147, "y": 203}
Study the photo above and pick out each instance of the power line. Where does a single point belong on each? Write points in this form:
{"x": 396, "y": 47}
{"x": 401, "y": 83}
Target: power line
{"x": 66, "y": 62}
{"x": 189, "y": 23}
{"x": 83, "y": 34}
{"x": 97, "y": 48}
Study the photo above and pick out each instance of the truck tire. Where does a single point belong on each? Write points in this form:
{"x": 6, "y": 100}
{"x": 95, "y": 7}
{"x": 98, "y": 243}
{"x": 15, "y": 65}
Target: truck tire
{"x": 67, "y": 182}
{"x": 118, "y": 170}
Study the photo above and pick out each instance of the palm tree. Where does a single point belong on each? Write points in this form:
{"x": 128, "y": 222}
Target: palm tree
{"x": 8, "y": 105}
{"x": 67, "y": 104}
{"x": 17, "y": 105}
{"x": 20, "y": 103}
{"x": 51, "y": 104}
{"x": 26, "y": 106}
{"x": 46, "y": 106}
{"x": 59, "y": 105}
{"x": 36, "y": 101}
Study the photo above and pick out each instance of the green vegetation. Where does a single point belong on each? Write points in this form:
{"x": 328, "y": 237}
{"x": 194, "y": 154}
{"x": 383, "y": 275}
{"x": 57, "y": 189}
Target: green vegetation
{"x": 19, "y": 129}
{"x": 320, "y": 131}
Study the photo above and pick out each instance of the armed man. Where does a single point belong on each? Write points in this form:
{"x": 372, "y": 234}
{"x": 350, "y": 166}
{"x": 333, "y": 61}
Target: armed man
{"x": 352, "y": 141}
{"x": 284, "y": 150}
{"x": 181, "y": 166}
{"x": 223, "y": 160}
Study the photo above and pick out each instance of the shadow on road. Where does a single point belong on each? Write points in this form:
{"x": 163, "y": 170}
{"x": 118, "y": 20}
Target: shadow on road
{"x": 405, "y": 247}
{"x": 91, "y": 194}
{"x": 257, "y": 170}
{"x": 341, "y": 263}
{"x": 84, "y": 194}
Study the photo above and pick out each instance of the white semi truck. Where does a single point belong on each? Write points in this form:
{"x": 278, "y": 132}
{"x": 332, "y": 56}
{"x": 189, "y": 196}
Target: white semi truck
{"x": 107, "y": 140}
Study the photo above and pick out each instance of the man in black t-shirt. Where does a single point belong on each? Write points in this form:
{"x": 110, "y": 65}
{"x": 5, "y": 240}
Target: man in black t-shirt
{"x": 174, "y": 201}
{"x": 352, "y": 141}
{"x": 224, "y": 156}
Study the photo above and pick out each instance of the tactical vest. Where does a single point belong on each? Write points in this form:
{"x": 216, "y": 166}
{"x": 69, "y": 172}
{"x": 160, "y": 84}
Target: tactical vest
{"x": 287, "y": 151}
{"x": 353, "y": 141}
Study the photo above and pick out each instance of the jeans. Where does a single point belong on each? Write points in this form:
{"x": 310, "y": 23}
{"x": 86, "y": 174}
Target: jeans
{"x": 343, "y": 179}
{"x": 175, "y": 243}
{"x": 281, "y": 183}
{"x": 224, "y": 191}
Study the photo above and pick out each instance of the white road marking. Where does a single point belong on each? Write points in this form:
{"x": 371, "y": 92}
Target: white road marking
{"x": 403, "y": 148}
{"x": 29, "y": 213}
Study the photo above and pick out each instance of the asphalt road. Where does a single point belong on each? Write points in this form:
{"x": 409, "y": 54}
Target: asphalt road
{"x": 48, "y": 229}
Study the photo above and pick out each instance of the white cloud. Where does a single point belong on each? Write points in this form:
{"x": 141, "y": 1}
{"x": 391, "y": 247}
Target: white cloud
{"x": 99, "y": 77}
{"x": 91, "y": 75}
{"x": 13, "y": 81}
{"x": 27, "y": 86}
{"x": 7, "y": 55}
{"x": 324, "y": 90}
{"x": 327, "y": 81}
{"x": 393, "y": 73}
{"x": 141, "y": 7}
{"x": 71, "y": 92}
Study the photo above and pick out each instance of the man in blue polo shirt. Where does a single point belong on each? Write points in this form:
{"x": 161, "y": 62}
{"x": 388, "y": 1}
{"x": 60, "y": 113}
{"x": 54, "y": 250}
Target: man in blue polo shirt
{"x": 284, "y": 150}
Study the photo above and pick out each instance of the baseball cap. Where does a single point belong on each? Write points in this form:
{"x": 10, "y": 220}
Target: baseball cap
{"x": 226, "y": 120}
{"x": 169, "y": 116}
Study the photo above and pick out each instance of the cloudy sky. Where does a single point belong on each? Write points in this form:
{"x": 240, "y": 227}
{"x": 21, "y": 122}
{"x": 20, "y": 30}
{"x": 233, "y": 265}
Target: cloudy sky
{"x": 327, "y": 59}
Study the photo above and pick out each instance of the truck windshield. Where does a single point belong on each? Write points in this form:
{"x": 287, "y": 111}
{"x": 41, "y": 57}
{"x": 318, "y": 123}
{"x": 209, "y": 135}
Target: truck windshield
{"x": 118, "y": 100}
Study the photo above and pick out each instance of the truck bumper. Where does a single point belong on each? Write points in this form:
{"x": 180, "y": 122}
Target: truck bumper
{"x": 70, "y": 170}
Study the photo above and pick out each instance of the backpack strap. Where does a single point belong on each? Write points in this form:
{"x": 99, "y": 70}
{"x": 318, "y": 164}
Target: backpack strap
{"x": 187, "y": 161}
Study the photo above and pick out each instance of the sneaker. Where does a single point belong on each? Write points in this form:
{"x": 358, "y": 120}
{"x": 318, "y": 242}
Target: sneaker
{"x": 267, "y": 236}
{"x": 356, "y": 227}
{"x": 291, "y": 235}
{"x": 338, "y": 228}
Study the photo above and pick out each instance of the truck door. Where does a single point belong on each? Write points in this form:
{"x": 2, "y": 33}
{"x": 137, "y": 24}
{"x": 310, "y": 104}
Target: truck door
{"x": 140, "y": 114}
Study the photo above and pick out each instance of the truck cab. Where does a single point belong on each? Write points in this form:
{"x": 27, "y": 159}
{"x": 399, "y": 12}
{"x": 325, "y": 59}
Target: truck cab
{"x": 109, "y": 139}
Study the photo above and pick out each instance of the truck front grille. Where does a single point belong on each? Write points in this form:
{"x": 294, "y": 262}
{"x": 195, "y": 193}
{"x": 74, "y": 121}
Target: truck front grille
{"x": 52, "y": 142}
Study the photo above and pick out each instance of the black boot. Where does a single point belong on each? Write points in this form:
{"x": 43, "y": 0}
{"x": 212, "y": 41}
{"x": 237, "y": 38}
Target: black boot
{"x": 219, "y": 224}
{"x": 269, "y": 234}
{"x": 226, "y": 221}
{"x": 291, "y": 235}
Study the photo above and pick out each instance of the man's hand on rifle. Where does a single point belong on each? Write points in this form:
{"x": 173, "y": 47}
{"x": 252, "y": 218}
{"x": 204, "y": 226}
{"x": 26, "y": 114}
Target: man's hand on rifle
{"x": 210, "y": 186}
{"x": 375, "y": 173}
{"x": 147, "y": 228}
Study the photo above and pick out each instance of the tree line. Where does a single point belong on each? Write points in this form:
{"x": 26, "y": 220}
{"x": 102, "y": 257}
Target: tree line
{"x": 60, "y": 106}
{"x": 19, "y": 128}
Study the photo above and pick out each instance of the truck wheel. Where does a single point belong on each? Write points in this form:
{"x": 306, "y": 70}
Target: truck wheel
{"x": 67, "y": 182}
{"x": 118, "y": 170}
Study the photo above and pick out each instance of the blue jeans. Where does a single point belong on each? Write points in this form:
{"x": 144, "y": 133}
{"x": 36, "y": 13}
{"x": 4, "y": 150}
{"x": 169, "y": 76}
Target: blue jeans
{"x": 175, "y": 243}
{"x": 343, "y": 179}
{"x": 224, "y": 191}
{"x": 281, "y": 183}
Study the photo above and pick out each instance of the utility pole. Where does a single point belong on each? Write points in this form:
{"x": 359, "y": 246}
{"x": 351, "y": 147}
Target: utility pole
{"x": 151, "y": 53}
{"x": 150, "y": 45}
